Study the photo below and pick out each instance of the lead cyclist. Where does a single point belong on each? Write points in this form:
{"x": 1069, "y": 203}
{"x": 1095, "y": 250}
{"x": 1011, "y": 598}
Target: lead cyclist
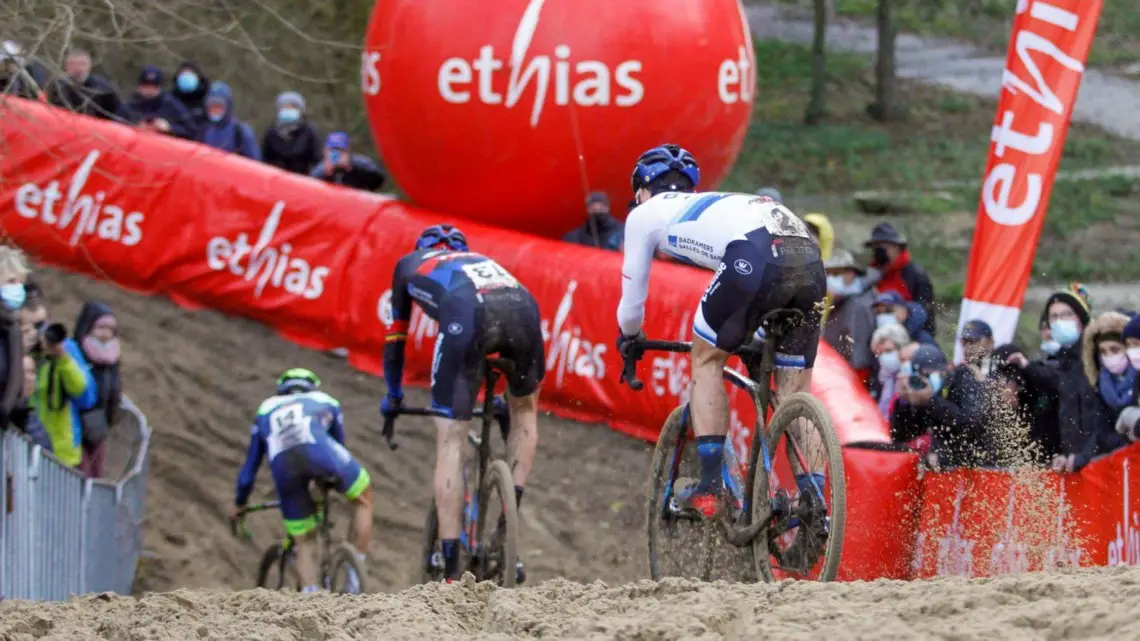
{"x": 764, "y": 259}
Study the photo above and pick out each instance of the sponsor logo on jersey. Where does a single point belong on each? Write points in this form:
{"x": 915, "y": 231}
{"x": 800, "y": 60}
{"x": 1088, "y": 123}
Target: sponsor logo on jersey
{"x": 693, "y": 246}
{"x": 91, "y": 214}
{"x": 742, "y": 266}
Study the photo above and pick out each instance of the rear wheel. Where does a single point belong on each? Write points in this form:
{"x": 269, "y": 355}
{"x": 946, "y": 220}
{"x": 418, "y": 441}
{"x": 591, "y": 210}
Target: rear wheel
{"x": 804, "y": 537}
{"x": 678, "y": 545}
{"x": 498, "y": 547}
{"x": 344, "y": 565}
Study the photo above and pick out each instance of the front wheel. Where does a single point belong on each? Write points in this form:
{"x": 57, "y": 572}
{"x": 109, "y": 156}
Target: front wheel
{"x": 276, "y": 570}
{"x": 498, "y": 544}
{"x": 804, "y": 535}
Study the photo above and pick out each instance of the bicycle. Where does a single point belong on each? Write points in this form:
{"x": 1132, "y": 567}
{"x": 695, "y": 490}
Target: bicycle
{"x": 333, "y": 558}
{"x": 487, "y": 559}
{"x": 757, "y": 517}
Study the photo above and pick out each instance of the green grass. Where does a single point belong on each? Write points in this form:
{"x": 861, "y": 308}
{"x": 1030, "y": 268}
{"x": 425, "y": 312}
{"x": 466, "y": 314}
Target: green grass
{"x": 987, "y": 23}
{"x": 945, "y": 137}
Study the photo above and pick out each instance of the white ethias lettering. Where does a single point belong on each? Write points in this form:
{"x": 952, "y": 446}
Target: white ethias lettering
{"x": 567, "y": 351}
{"x": 735, "y": 80}
{"x": 1026, "y": 43}
{"x": 1124, "y": 548}
{"x": 370, "y": 72}
{"x": 586, "y": 83}
{"x": 272, "y": 266}
{"x": 91, "y": 214}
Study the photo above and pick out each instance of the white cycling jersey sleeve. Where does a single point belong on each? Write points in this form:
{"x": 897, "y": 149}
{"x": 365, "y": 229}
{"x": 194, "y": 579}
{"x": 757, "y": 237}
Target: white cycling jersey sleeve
{"x": 643, "y": 230}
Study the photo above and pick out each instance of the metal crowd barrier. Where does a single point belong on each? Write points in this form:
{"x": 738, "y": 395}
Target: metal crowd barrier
{"x": 62, "y": 534}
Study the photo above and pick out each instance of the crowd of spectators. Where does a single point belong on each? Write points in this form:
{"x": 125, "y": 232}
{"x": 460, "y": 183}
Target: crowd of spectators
{"x": 189, "y": 104}
{"x": 63, "y": 390}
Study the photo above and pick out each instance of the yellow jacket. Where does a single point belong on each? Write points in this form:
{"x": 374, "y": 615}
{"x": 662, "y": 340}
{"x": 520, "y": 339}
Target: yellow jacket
{"x": 826, "y": 243}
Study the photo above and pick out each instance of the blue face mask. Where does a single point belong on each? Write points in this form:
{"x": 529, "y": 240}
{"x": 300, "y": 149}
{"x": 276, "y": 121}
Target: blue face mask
{"x": 888, "y": 318}
{"x": 335, "y": 156}
{"x": 889, "y": 361}
{"x": 187, "y": 82}
{"x": 1050, "y": 347}
{"x": 837, "y": 287}
{"x": 1065, "y": 331}
{"x": 215, "y": 117}
{"x": 936, "y": 381}
{"x": 13, "y": 295}
{"x": 289, "y": 115}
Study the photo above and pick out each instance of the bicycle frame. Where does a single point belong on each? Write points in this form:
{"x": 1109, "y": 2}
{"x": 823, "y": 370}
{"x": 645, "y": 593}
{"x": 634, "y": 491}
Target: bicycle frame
{"x": 324, "y": 529}
{"x": 494, "y": 369}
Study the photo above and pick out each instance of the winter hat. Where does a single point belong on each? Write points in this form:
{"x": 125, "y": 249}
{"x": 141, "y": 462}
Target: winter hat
{"x": 1076, "y": 296}
{"x": 770, "y": 192}
{"x": 1132, "y": 329}
{"x": 150, "y": 75}
{"x": 886, "y": 233}
{"x": 290, "y": 97}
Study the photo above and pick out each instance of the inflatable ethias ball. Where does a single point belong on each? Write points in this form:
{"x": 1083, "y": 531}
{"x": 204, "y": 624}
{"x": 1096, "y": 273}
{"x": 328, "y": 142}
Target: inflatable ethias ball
{"x": 510, "y": 112}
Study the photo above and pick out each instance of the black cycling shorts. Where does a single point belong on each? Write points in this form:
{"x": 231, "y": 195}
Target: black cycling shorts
{"x": 505, "y": 322}
{"x": 759, "y": 274}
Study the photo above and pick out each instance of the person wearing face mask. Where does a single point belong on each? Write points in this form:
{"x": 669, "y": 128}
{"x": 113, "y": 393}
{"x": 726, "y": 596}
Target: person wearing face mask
{"x": 13, "y": 277}
{"x": 850, "y": 321}
{"x": 893, "y": 271}
{"x": 152, "y": 108}
{"x": 97, "y": 332}
{"x": 189, "y": 87}
{"x": 85, "y": 92}
{"x": 1036, "y": 399}
{"x": 223, "y": 130}
{"x": 600, "y": 230}
{"x": 292, "y": 143}
{"x": 932, "y": 401}
{"x": 886, "y": 344}
{"x": 342, "y": 167}
{"x": 1128, "y": 422}
{"x": 1110, "y": 374}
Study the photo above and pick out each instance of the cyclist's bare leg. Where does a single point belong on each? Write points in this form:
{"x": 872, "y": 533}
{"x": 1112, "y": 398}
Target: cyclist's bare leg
{"x": 306, "y": 562}
{"x": 790, "y": 380}
{"x": 362, "y": 521}
{"x": 450, "y": 437}
{"x": 522, "y": 443}
{"x": 708, "y": 400}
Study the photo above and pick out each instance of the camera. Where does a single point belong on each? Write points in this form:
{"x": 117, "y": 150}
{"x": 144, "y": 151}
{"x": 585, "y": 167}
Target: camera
{"x": 916, "y": 382}
{"x": 53, "y": 334}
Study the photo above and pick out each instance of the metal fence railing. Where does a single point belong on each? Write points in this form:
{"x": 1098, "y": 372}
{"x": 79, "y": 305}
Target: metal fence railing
{"x": 62, "y": 534}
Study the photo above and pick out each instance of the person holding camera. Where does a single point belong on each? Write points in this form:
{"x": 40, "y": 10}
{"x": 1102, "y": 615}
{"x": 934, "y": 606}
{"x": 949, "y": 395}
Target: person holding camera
{"x": 64, "y": 389}
{"x": 946, "y": 403}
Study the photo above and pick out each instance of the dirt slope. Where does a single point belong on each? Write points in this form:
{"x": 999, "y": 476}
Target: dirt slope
{"x": 1096, "y": 604}
{"x": 200, "y": 375}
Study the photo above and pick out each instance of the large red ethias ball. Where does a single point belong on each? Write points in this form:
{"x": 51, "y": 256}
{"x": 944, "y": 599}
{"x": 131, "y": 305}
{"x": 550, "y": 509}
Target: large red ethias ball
{"x": 510, "y": 111}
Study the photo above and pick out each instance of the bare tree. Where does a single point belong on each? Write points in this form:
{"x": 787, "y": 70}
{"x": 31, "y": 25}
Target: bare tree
{"x": 817, "y": 105}
{"x": 884, "y": 107}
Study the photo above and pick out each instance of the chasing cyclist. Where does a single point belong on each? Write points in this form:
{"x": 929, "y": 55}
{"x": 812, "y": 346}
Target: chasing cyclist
{"x": 481, "y": 309}
{"x": 301, "y": 429}
{"x": 764, "y": 259}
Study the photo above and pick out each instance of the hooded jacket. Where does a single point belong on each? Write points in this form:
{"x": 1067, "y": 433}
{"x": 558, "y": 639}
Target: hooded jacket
{"x": 915, "y": 324}
{"x": 229, "y": 133}
{"x": 599, "y": 230}
{"x": 826, "y": 245}
{"x": 64, "y": 389}
{"x": 1084, "y": 423}
{"x": 1112, "y": 323}
{"x": 295, "y": 147}
{"x": 108, "y": 383}
{"x": 194, "y": 101}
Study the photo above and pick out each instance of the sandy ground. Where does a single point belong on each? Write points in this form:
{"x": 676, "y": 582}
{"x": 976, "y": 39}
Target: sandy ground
{"x": 199, "y": 376}
{"x": 1096, "y": 604}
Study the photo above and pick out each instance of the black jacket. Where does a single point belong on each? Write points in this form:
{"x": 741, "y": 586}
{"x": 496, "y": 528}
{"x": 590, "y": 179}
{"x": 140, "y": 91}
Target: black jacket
{"x": 107, "y": 378}
{"x": 11, "y": 365}
{"x": 1040, "y": 400}
{"x": 163, "y": 106}
{"x": 95, "y": 97}
{"x": 194, "y": 101}
{"x": 1084, "y": 422}
{"x": 297, "y": 149}
{"x": 955, "y": 418}
{"x": 602, "y": 231}
{"x": 364, "y": 174}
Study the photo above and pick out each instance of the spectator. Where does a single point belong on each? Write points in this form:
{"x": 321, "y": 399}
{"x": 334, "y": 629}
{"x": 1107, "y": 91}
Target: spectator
{"x": 224, "y": 131}
{"x": 977, "y": 339}
{"x": 342, "y": 167}
{"x": 13, "y": 275}
{"x": 601, "y": 229}
{"x": 944, "y": 404}
{"x": 884, "y": 308}
{"x": 189, "y": 88}
{"x": 17, "y": 77}
{"x": 820, "y": 227}
{"x": 64, "y": 389}
{"x": 1049, "y": 347}
{"x": 770, "y": 192}
{"x": 292, "y": 143}
{"x": 851, "y": 322}
{"x": 886, "y": 343}
{"x": 1128, "y": 423}
{"x": 24, "y": 416}
{"x": 896, "y": 273}
{"x": 1109, "y": 372}
{"x": 33, "y": 316}
{"x": 84, "y": 92}
{"x": 1036, "y": 402}
{"x": 96, "y": 331}
{"x": 154, "y": 109}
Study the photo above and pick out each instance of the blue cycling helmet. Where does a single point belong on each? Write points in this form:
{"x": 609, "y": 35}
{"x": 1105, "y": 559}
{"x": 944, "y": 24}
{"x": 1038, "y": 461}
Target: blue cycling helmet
{"x": 659, "y": 160}
{"x": 297, "y": 379}
{"x": 442, "y": 234}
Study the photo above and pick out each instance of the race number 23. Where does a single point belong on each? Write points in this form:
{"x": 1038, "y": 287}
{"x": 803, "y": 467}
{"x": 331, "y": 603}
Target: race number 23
{"x": 488, "y": 274}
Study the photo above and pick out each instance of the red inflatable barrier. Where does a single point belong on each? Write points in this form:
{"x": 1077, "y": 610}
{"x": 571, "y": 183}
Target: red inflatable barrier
{"x": 314, "y": 262}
